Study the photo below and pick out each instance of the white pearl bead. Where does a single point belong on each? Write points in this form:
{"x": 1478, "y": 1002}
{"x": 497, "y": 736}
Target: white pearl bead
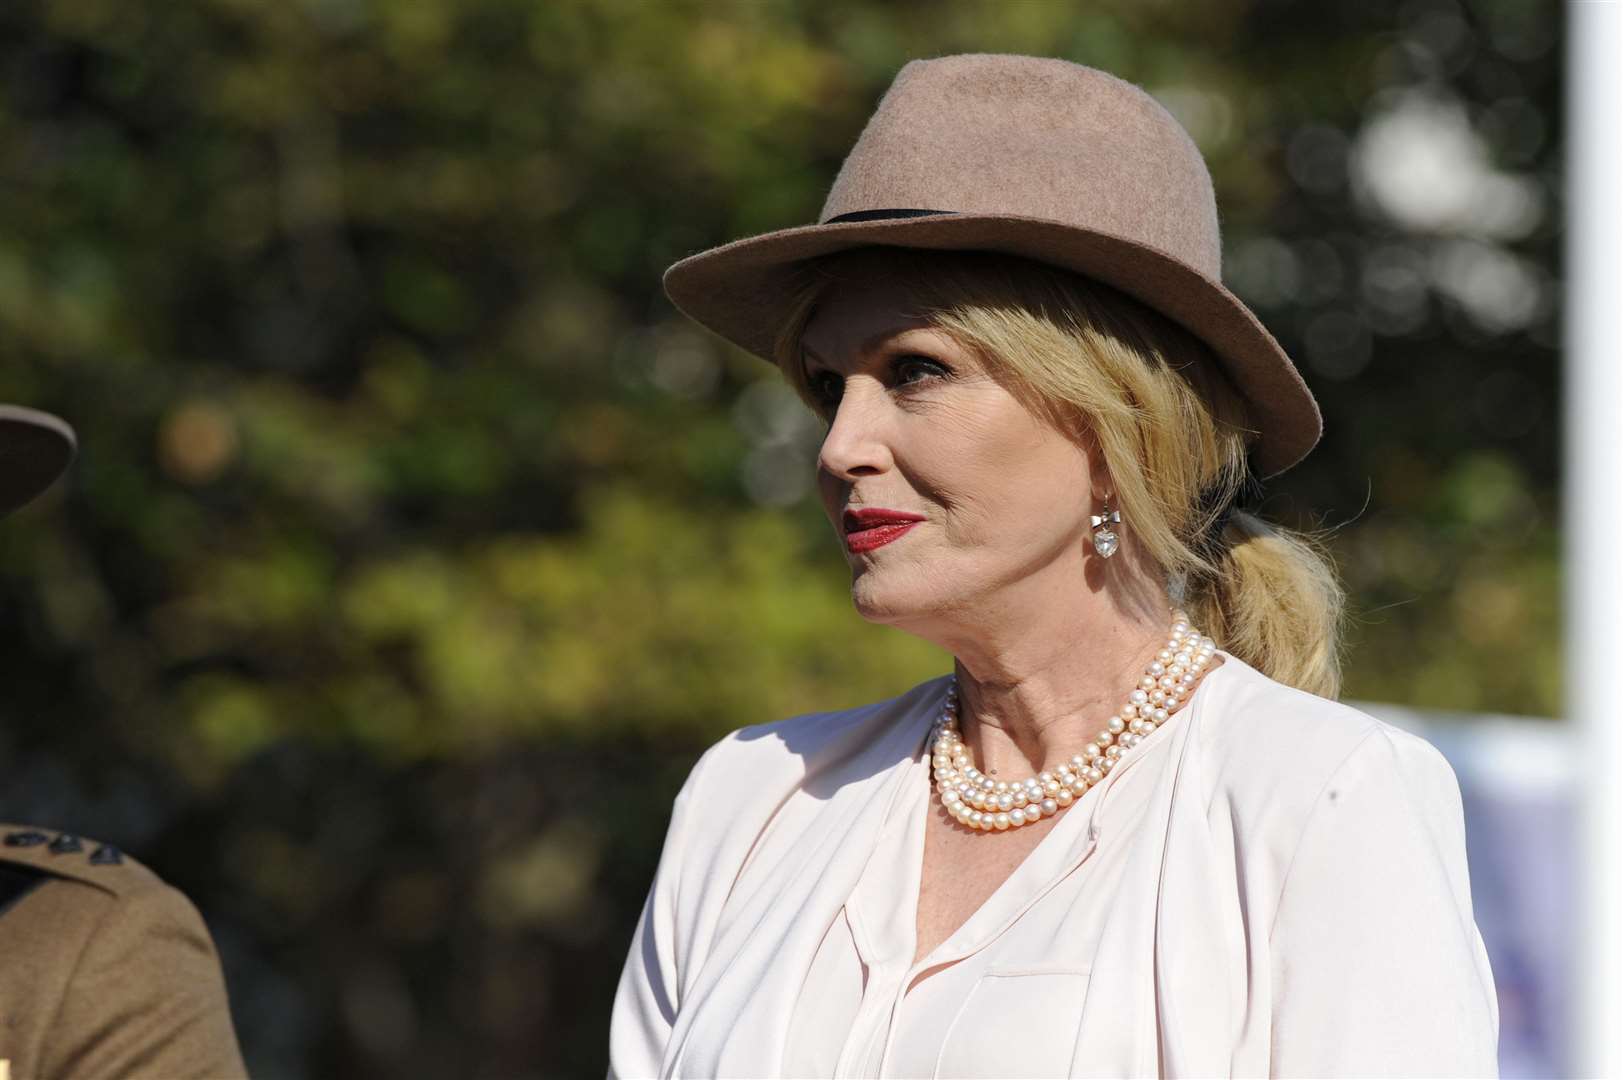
{"x": 1161, "y": 716}
{"x": 1045, "y": 778}
{"x": 1005, "y": 801}
{"x": 1115, "y": 724}
{"x": 1157, "y": 668}
{"x": 1050, "y": 807}
{"x": 1064, "y": 797}
{"x": 1002, "y": 822}
{"x": 1165, "y": 655}
{"x": 1017, "y": 817}
{"x": 1089, "y": 754}
{"x": 1094, "y": 775}
{"x": 1138, "y": 697}
{"x": 1113, "y": 752}
{"x": 1147, "y": 683}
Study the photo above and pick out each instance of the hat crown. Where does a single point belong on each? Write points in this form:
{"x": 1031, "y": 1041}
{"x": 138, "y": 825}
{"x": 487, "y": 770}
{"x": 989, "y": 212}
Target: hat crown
{"x": 987, "y": 133}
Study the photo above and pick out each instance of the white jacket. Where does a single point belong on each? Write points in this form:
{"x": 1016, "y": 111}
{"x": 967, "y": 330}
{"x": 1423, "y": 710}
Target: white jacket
{"x": 1271, "y": 884}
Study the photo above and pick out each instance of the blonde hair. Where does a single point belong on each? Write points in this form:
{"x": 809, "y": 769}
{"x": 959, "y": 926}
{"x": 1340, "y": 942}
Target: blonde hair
{"x": 1169, "y": 424}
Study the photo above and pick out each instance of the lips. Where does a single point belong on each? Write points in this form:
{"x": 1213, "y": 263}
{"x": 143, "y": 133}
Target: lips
{"x": 873, "y": 517}
{"x": 874, "y": 526}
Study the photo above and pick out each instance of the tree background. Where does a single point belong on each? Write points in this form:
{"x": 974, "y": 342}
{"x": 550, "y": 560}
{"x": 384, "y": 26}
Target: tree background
{"x": 417, "y": 545}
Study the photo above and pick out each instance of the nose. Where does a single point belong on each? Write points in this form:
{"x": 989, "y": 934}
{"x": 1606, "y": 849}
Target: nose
{"x": 857, "y": 442}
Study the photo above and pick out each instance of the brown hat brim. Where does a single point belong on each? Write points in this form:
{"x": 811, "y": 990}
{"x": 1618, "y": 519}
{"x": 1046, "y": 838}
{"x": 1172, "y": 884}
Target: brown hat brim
{"x": 35, "y": 449}
{"x": 742, "y": 291}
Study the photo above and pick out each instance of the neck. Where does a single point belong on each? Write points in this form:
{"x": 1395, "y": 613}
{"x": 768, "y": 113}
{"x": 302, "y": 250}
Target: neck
{"x": 1037, "y": 689}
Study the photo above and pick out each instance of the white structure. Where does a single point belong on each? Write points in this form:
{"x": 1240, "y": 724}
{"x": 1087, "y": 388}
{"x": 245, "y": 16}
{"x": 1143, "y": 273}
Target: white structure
{"x": 1593, "y": 491}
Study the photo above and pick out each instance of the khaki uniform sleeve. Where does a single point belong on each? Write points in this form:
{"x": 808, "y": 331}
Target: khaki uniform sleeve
{"x": 146, "y": 998}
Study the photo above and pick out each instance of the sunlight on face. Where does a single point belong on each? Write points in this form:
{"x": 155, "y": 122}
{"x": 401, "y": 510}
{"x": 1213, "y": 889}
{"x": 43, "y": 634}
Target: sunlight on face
{"x": 918, "y": 424}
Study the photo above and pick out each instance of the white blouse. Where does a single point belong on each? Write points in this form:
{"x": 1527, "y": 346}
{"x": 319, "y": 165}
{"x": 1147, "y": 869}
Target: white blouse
{"x": 1270, "y": 884}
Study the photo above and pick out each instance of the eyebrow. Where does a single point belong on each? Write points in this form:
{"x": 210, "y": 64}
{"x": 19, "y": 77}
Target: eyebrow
{"x": 867, "y": 345}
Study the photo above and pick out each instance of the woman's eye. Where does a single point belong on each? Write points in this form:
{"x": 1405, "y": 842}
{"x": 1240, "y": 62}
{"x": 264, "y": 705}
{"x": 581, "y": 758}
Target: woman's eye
{"x": 827, "y": 388}
{"x": 906, "y": 365}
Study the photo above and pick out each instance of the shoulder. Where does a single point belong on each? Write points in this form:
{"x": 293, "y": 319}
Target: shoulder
{"x": 89, "y": 884}
{"x": 1277, "y": 751}
{"x": 821, "y": 743}
{"x": 44, "y": 855}
{"x": 89, "y": 932}
{"x": 760, "y": 784}
{"x": 59, "y": 887}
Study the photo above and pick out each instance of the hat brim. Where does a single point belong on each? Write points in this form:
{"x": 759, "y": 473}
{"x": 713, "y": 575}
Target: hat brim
{"x": 742, "y": 292}
{"x": 35, "y": 448}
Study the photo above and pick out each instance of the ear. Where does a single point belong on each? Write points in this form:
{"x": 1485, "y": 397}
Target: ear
{"x": 1099, "y": 477}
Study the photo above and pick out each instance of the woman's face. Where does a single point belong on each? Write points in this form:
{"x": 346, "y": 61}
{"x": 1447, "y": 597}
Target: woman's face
{"x": 918, "y": 424}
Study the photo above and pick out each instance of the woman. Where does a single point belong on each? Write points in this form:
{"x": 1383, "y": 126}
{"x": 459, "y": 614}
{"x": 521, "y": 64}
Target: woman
{"x": 1132, "y": 833}
{"x": 105, "y": 971}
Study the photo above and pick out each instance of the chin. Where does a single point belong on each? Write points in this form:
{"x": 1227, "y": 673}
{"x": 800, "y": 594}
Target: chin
{"x": 877, "y": 603}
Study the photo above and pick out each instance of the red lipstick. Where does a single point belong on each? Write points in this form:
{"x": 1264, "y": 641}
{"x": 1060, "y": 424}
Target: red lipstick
{"x": 874, "y": 526}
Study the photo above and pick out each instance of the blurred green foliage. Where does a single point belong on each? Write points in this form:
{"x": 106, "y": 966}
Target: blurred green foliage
{"x": 417, "y": 544}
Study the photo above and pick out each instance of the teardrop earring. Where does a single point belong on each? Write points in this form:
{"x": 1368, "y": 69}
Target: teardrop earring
{"x": 1105, "y": 542}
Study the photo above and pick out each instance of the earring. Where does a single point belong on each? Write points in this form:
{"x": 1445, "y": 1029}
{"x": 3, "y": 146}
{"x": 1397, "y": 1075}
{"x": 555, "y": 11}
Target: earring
{"x": 1105, "y": 541}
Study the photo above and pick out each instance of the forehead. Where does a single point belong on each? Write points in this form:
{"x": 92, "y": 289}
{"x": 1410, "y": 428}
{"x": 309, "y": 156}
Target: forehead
{"x": 857, "y": 314}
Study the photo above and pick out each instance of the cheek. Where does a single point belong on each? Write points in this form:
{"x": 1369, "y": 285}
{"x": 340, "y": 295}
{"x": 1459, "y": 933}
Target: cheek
{"x": 997, "y": 465}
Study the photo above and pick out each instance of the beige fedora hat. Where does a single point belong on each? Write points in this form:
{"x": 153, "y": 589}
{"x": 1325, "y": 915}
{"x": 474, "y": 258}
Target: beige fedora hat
{"x": 35, "y": 448}
{"x": 1035, "y": 157}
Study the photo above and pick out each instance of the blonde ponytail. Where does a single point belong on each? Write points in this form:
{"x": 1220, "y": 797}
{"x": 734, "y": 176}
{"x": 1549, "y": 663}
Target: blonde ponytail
{"x": 1274, "y": 602}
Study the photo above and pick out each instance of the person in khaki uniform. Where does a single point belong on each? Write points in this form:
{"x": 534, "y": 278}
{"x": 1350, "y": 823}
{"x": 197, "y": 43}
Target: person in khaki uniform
{"x": 105, "y": 971}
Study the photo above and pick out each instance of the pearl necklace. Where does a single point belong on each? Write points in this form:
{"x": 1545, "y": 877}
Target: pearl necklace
{"x": 979, "y": 802}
